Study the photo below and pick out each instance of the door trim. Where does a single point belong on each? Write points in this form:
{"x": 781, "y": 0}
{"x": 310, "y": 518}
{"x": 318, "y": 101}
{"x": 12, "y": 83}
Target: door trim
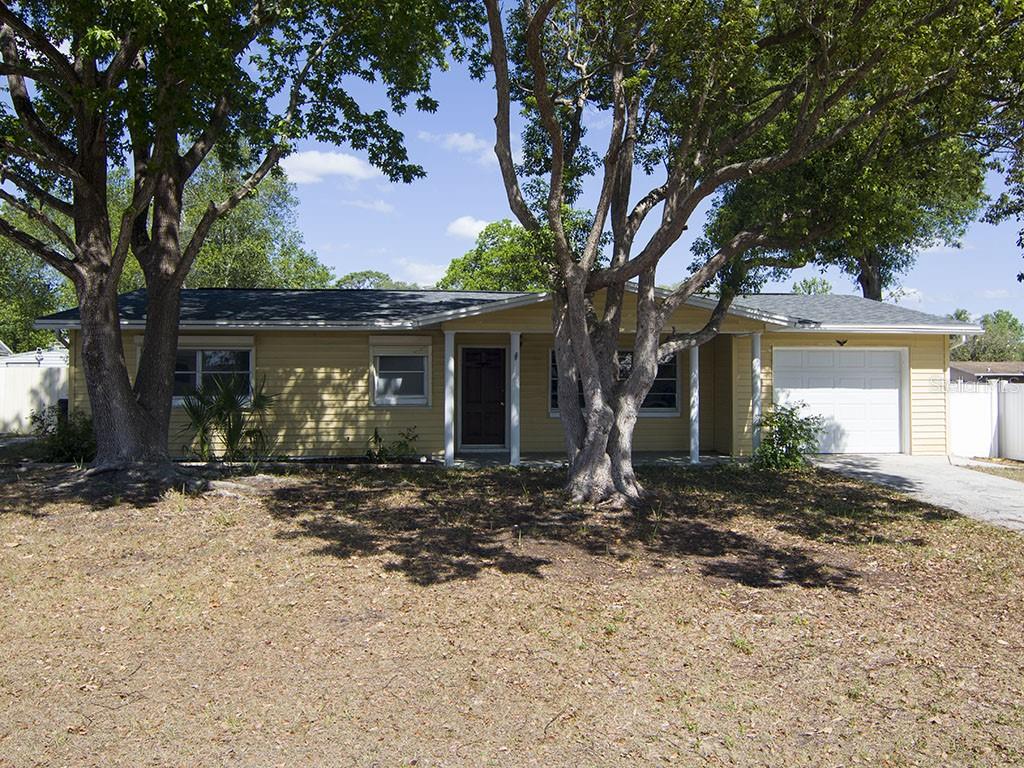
{"x": 477, "y": 448}
{"x": 904, "y": 395}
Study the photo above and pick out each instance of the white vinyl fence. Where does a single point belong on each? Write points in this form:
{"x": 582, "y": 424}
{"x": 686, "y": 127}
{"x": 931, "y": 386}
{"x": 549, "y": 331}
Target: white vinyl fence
{"x": 987, "y": 419}
{"x": 27, "y": 388}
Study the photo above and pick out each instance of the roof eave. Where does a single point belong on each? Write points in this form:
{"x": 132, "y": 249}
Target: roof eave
{"x": 951, "y": 330}
{"x": 241, "y": 326}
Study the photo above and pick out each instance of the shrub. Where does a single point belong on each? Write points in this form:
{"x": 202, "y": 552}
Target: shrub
{"x": 224, "y": 413}
{"x": 382, "y": 451}
{"x": 64, "y": 438}
{"x": 787, "y": 438}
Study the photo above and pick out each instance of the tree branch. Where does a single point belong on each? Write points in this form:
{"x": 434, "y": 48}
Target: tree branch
{"x": 40, "y": 42}
{"x": 22, "y": 102}
{"x": 54, "y": 258}
{"x": 33, "y": 190}
{"x": 36, "y": 215}
{"x": 503, "y": 141}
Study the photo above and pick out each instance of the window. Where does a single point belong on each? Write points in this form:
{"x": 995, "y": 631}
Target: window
{"x": 664, "y": 394}
{"x": 400, "y": 375}
{"x": 194, "y": 368}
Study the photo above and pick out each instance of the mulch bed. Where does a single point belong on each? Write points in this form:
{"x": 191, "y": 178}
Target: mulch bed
{"x": 407, "y": 617}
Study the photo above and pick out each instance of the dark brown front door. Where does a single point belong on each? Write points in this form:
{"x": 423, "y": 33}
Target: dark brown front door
{"x": 483, "y": 396}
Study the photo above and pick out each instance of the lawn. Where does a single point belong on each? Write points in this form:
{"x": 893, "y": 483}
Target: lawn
{"x": 1008, "y": 468}
{"x": 416, "y": 617}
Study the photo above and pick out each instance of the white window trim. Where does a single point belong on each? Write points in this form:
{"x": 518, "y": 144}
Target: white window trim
{"x": 413, "y": 346}
{"x": 645, "y": 413}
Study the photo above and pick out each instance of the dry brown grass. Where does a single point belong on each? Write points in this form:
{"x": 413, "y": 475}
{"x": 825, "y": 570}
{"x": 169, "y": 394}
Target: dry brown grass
{"x": 1008, "y": 468}
{"x": 416, "y": 617}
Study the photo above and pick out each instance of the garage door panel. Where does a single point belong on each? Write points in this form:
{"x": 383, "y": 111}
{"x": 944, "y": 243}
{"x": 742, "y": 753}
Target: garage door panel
{"x": 817, "y": 359}
{"x": 855, "y": 392}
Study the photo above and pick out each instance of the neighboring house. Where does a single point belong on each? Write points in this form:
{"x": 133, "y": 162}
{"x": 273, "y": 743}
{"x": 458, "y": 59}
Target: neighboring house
{"x": 53, "y": 357}
{"x": 969, "y": 372}
{"x": 5, "y": 350}
{"x": 31, "y": 381}
{"x": 474, "y": 371}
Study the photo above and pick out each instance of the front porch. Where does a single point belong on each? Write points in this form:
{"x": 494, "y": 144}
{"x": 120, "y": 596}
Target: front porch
{"x": 499, "y": 407}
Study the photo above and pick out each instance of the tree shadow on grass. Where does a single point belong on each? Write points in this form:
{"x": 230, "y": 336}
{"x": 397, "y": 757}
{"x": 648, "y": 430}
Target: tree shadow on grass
{"x": 439, "y": 526}
{"x": 26, "y": 488}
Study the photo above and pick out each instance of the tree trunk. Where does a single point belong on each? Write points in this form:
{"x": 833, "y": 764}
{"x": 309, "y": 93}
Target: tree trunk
{"x": 125, "y": 433}
{"x": 870, "y": 278}
{"x": 599, "y": 435}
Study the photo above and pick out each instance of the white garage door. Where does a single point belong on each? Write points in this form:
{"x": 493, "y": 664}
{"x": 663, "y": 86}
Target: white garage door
{"x": 857, "y": 392}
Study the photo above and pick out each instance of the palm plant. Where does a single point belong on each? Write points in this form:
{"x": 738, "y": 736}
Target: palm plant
{"x": 224, "y": 412}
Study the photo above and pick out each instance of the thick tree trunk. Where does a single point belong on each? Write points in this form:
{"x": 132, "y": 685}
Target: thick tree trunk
{"x": 870, "y": 278}
{"x": 125, "y": 433}
{"x": 599, "y": 435}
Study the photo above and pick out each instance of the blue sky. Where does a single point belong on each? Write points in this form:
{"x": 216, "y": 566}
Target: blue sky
{"x": 355, "y": 219}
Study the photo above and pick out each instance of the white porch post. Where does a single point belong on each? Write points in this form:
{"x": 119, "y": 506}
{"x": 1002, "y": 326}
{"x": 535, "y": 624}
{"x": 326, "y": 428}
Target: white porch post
{"x": 449, "y": 398}
{"x": 513, "y": 406}
{"x": 695, "y": 405}
{"x": 755, "y": 385}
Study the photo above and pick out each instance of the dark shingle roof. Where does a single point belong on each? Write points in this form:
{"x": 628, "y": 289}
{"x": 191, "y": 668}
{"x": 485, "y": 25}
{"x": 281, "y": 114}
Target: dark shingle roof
{"x": 243, "y": 307}
{"x": 839, "y": 309}
{"x": 267, "y": 306}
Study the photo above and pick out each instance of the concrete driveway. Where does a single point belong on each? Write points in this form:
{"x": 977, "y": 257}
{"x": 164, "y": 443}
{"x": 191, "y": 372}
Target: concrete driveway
{"x": 936, "y": 480}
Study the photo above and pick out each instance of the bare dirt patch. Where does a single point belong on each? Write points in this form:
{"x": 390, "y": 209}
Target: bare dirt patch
{"x": 400, "y": 617}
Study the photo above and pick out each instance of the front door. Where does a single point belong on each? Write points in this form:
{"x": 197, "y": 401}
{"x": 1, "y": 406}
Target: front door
{"x": 483, "y": 396}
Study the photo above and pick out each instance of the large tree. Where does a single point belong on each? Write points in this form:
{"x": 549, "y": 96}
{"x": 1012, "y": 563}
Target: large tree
{"x": 506, "y": 257}
{"x": 709, "y": 96}
{"x": 878, "y": 208}
{"x": 1003, "y": 339}
{"x": 157, "y": 86}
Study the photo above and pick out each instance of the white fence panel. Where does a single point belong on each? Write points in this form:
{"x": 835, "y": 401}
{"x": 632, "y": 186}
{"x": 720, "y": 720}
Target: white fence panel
{"x": 1011, "y": 421}
{"x": 973, "y": 420}
{"x": 26, "y": 388}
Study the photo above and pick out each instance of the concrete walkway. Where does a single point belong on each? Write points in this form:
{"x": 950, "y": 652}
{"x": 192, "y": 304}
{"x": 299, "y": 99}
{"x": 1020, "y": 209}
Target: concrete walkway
{"x": 938, "y": 480}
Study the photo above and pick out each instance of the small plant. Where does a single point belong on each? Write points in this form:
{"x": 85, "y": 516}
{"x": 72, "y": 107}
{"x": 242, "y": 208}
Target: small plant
{"x": 382, "y": 452}
{"x": 742, "y": 645}
{"x": 787, "y": 437}
{"x": 224, "y": 413}
{"x": 65, "y": 439}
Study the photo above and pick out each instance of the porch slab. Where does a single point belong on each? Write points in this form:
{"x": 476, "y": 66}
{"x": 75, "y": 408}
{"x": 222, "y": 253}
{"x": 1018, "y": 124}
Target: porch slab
{"x": 557, "y": 460}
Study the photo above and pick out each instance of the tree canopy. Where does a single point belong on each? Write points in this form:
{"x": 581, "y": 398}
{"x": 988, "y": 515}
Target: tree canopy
{"x": 506, "y": 257}
{"x": 876, "y": 209}
{"x": 812, "y": 286}
{"x": 372, "y": 278}
{"x": 1002, "y": 340}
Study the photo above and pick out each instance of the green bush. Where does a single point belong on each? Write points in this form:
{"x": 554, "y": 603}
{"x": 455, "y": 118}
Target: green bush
{"x": 63, "y": 440}
{"x": 787, "y": 438}
{"x": 227, "y": 415}
{"x": 381, "y": 451}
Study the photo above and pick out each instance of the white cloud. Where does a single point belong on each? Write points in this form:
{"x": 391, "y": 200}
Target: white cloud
{"x": 467, "y": 227}
{"x": 996, "y": 293}
{"x": 313, "y": 166}
{"x": 421, "y": 273}
{"x": 378, "y": 206}
{"x": 467, "y": 143}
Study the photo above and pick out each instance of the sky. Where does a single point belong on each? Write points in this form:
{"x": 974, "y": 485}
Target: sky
{"x": 355, "y": 219}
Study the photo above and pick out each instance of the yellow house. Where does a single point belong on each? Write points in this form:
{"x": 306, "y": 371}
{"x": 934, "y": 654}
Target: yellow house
{"x": 473, "y": 372}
